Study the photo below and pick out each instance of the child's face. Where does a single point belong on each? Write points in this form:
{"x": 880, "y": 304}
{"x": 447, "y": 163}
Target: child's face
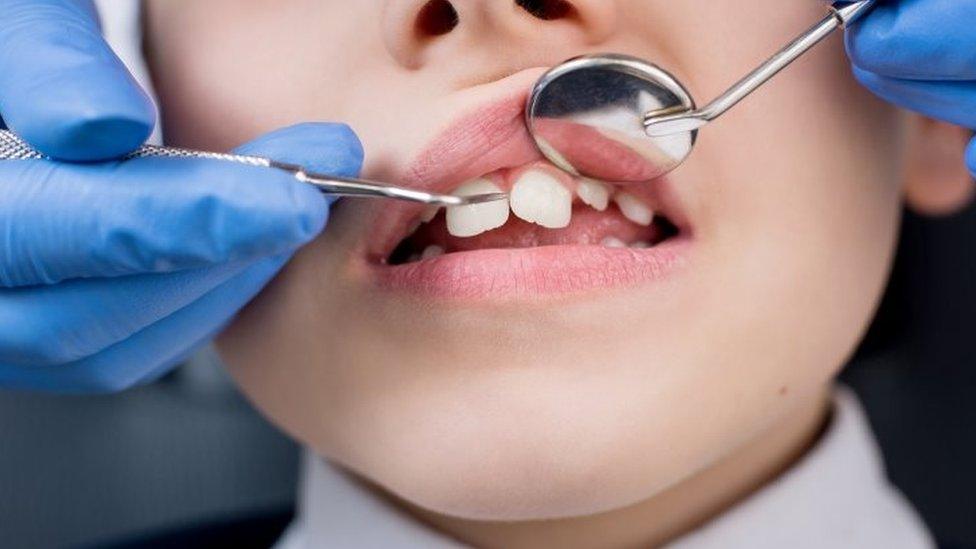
{"x": 536, "y": 383}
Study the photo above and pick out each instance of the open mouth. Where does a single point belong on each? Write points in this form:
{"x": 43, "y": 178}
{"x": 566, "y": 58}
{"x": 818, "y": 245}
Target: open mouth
{"x": 557, "y": 234}
{"x": 547, "y": 208}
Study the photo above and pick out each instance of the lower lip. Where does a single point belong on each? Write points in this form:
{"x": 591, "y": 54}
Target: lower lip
{"x": 533, "y": 273}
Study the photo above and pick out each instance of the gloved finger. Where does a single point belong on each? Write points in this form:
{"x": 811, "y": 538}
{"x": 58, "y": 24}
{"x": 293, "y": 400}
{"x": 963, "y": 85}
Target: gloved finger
{"x": 62, "y": 88}
{"x": 152, "y": 215}
{"x": 953, "y": 102}
{"x": 322, "y": 147}
{"x": 917, "y": 39}
{"x": 191, "y": 327}
{"x": 61, "y": 222}
{"x": 161, "y": 345}
{"x": 53, "y": 325}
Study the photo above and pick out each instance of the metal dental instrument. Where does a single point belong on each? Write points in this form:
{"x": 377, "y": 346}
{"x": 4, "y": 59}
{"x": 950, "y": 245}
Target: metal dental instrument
{"x": 619, "y": 118}
{"x": 13, "y": 147}
{"x": 610, "y": 117}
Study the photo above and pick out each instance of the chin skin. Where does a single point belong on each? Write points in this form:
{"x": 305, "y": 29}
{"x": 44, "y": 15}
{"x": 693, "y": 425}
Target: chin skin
{"x": 555, "y": 448}
{"x": 514, "y": 437}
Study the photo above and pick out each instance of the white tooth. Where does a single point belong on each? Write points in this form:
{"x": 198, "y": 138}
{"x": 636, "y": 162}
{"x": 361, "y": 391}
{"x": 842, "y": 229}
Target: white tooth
{"x": 554, "y": 156}
{"x": 413, "y": 258}
{"x": 593, "y": 193}
{"x": 640, "y": 245}
{"x": 633, "y": 209}
{"x": 413, "y": 229}
{"x": 429, "y": 214}
{"x": 613, "y": 242}
{"x": 474, "y": 219}
{"x": 432, "y": 251}
{"x": 540, "y": 198}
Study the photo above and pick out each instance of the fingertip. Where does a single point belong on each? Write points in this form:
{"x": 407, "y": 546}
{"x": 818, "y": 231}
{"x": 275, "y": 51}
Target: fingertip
{"x": 868, "y": 41}
{"x": 103, "y": 137}
{"x": 321, "y": 147}
{"x": 313, "y": 212}
{"x": 87, "y": 118}
{"x": 350, "y": 162}
{"x": 259, "y": 211}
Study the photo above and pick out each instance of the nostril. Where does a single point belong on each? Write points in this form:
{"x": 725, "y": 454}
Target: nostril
{"x": 436, "y": 18}
{"x": 547, "y": 10}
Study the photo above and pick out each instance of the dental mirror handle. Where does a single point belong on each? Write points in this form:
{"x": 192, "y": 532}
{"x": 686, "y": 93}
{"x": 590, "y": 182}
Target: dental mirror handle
{"x": 842, "y": 14}
{"x": 12, "y": 147}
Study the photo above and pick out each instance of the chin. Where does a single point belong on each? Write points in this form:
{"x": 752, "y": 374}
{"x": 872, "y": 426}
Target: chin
{"x": 511, "y": 459}
{"x": 531, "y": 441}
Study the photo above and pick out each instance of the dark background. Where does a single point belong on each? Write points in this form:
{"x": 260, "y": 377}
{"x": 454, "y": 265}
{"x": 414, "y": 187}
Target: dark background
{"x": 916, "y": 374}
{"x": 86, "y": 471}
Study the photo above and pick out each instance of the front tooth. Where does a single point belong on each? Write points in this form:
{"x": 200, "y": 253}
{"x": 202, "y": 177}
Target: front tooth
{"x": 429, "y": 214}
{"x": 633, "y": 209}
{"x": 474, "y": 219}
{"x": 613, "y": 242}
{"x": 539, "y": 198}
{"x": 640, "y": 245}
{"x": 432, "y": 251}
{"x": 593, "y": 193}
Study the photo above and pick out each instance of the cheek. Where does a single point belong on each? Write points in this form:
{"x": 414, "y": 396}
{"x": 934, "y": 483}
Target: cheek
{"x": 270, "y": 65}
{"x": 801, "y": 202}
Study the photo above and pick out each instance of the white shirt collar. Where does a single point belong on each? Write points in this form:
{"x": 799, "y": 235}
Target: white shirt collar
{"x": 835, "y": 496}
{"x": 336, "y": 511}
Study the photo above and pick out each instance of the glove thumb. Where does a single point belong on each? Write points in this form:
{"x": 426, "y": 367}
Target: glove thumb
{"x": 320, "y": 147}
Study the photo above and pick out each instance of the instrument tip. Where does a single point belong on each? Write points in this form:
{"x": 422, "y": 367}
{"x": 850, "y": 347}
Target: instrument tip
{"x": 481, "y": 198}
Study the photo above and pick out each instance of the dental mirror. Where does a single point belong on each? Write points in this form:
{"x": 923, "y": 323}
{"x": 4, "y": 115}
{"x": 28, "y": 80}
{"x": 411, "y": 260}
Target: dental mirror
{"x": 621, "y": 119}
{"x": 587, "y": 117}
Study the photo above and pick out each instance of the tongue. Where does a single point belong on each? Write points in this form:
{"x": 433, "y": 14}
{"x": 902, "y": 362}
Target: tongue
{"x": 588, "y": 227}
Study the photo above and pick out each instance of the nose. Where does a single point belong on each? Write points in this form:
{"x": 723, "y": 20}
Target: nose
{"x": 480, "y": 33}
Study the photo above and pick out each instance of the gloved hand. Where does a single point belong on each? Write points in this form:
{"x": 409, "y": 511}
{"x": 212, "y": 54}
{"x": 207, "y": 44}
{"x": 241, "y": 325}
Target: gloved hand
{"x": 112, "y": 273}
{"x": 919, "y": 54}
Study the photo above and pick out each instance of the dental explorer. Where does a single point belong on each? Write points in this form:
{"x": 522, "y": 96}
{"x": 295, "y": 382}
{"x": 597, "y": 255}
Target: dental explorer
{"x": 12, "y": 147}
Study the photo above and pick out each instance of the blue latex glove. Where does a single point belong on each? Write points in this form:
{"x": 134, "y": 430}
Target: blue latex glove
{"x": 62, "y": 88}
{"x": 112, "y": 273}
{"x": 921, "y": 54}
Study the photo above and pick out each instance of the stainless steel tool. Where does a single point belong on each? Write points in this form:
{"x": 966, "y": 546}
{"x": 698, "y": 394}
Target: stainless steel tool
{"x": 12, "y": 147}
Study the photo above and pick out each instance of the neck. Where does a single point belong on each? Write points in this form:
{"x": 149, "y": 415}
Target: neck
{"x": 669, "y": 514}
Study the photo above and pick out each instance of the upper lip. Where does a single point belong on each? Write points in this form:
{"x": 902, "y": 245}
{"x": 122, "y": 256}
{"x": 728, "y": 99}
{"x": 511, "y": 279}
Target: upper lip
{"x": 489, "y": 138}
